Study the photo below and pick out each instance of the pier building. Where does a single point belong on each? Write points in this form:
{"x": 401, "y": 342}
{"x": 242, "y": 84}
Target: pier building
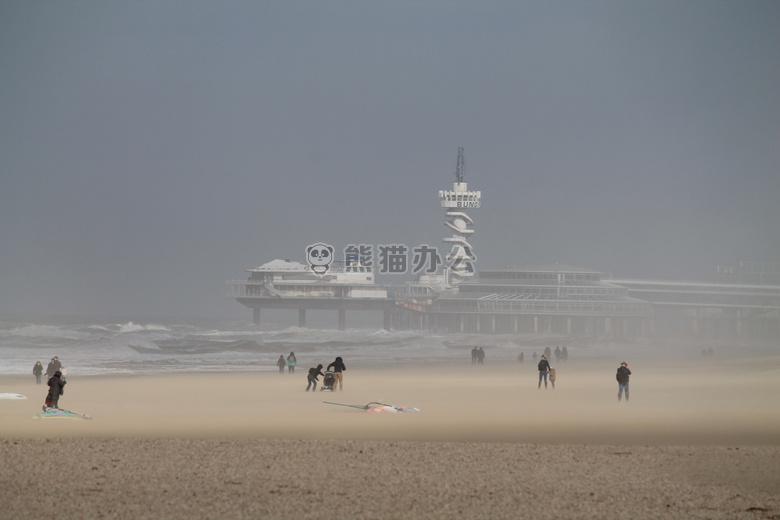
{"x": 741, "y": 304}
{"x": 286, "y": 284}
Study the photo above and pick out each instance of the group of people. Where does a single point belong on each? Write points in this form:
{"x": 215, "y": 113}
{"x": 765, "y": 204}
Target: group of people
{"x": 55, "y": 380}
{"x": 338, "y": 367}
{"x": 561, "y": 354}
{"x": 314, "y": 373}
{"x": 477, "y": 356}
{"x": 546, "y": 370}
{"x": 53, "y": 367}
{"x": 290, "y": 363}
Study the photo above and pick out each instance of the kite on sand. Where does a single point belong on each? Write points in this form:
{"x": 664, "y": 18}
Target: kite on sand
{"x": 58, "y": 413}
{"x": 377, "y": 407}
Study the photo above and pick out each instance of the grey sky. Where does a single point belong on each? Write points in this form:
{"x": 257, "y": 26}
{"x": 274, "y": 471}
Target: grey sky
{"x": 149, "y": 151}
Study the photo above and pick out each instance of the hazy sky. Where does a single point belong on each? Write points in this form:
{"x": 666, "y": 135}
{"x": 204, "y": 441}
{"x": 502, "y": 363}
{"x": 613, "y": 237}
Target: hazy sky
{"x": 152, "y": 150}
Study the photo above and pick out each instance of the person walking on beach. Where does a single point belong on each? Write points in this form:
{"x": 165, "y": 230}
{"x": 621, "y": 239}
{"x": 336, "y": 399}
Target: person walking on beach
{"x": 38, "y": 372}
{"x": 291, "y": 362}
{"x": 50, "y": 369}
{"x": 622, "y": 378}
{"x": 544, "y": 369}
{"x": 312, "y": 377}
{"x": 481, "y": 356}
{"x": 56, "y": 385}
{"x": 338, "y": 368}
{"x": 474, "y": 355}
{"x": 281, "y": 363}
{"x": 520, "y": 357}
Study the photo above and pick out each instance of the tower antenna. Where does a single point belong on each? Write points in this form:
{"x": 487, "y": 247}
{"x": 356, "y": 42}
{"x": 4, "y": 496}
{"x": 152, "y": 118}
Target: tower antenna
{"x": 461, "y": 167}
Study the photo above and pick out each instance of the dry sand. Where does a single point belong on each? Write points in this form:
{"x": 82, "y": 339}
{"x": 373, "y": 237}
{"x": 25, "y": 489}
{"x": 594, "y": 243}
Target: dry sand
{"x": 694, "y": 442}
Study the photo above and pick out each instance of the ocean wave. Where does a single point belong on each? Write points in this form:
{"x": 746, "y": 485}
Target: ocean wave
{"x": 134, "y": 327}
{"x": 43, "y": 331}
{"x": 114, "y": 347}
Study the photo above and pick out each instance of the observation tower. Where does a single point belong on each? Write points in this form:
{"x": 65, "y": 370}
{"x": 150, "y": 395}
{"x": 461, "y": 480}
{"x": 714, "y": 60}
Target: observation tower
{"x": 461, "y": 257}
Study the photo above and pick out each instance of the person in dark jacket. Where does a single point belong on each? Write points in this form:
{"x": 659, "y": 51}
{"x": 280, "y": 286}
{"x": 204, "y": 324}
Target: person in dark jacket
{"x": 544, "y": 369}
{"x": 338, "y": 368}
{"x": 38, "y": 372}
{"x": 55, "y": 390}
{"x": 622, "y": 378}
{"x": 50, "y": 369}
{"x": 281, "y": 363}
{"x": 312, "y": 377}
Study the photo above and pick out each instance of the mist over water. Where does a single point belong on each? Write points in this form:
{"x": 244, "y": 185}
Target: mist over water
{"x": 98, "y": 347}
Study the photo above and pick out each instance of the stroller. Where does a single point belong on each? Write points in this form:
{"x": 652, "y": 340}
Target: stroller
{"x": 327, "y": 382}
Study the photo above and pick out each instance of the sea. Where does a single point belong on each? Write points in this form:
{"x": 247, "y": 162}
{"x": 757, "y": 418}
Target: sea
{"x": 104, "y": 347}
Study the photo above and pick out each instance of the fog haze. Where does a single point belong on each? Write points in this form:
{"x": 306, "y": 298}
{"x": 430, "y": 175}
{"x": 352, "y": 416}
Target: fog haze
{"x": 150, "y": 151}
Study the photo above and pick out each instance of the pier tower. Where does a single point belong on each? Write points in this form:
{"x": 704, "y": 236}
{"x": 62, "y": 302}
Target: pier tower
{"x": 461, "y": 257}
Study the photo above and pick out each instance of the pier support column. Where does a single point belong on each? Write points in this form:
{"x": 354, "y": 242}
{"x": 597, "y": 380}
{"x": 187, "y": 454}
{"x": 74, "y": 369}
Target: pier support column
{"x": 386, "y": 320}
{"x": 302, "y": 318}
{"x": 256, "y": 315}
{"x": 342, "y": 319}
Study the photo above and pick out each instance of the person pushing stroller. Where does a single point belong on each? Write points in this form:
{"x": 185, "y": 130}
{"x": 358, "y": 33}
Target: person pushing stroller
{"x": 338, "y": 367}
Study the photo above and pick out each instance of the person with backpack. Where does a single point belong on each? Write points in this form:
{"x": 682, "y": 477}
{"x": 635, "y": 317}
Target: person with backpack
{"x": 544, "y": 369}
{"x": 312, "y": 377}
{"x": 622, "y": 378}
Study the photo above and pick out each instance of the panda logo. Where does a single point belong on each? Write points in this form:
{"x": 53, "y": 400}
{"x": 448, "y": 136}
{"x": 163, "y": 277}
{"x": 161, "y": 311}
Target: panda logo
{"x": 319, "y": 256}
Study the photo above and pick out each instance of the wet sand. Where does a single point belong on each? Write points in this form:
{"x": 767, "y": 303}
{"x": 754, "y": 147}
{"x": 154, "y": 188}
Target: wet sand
{"x": 701, "y": 441}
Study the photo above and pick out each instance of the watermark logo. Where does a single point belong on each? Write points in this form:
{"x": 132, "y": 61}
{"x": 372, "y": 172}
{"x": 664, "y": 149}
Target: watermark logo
{"x": 319, "y": 256}
{"x": 392, "y": 258}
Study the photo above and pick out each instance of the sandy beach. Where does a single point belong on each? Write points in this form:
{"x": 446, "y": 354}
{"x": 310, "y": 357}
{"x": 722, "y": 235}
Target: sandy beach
{"x": 699, "y": 439}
